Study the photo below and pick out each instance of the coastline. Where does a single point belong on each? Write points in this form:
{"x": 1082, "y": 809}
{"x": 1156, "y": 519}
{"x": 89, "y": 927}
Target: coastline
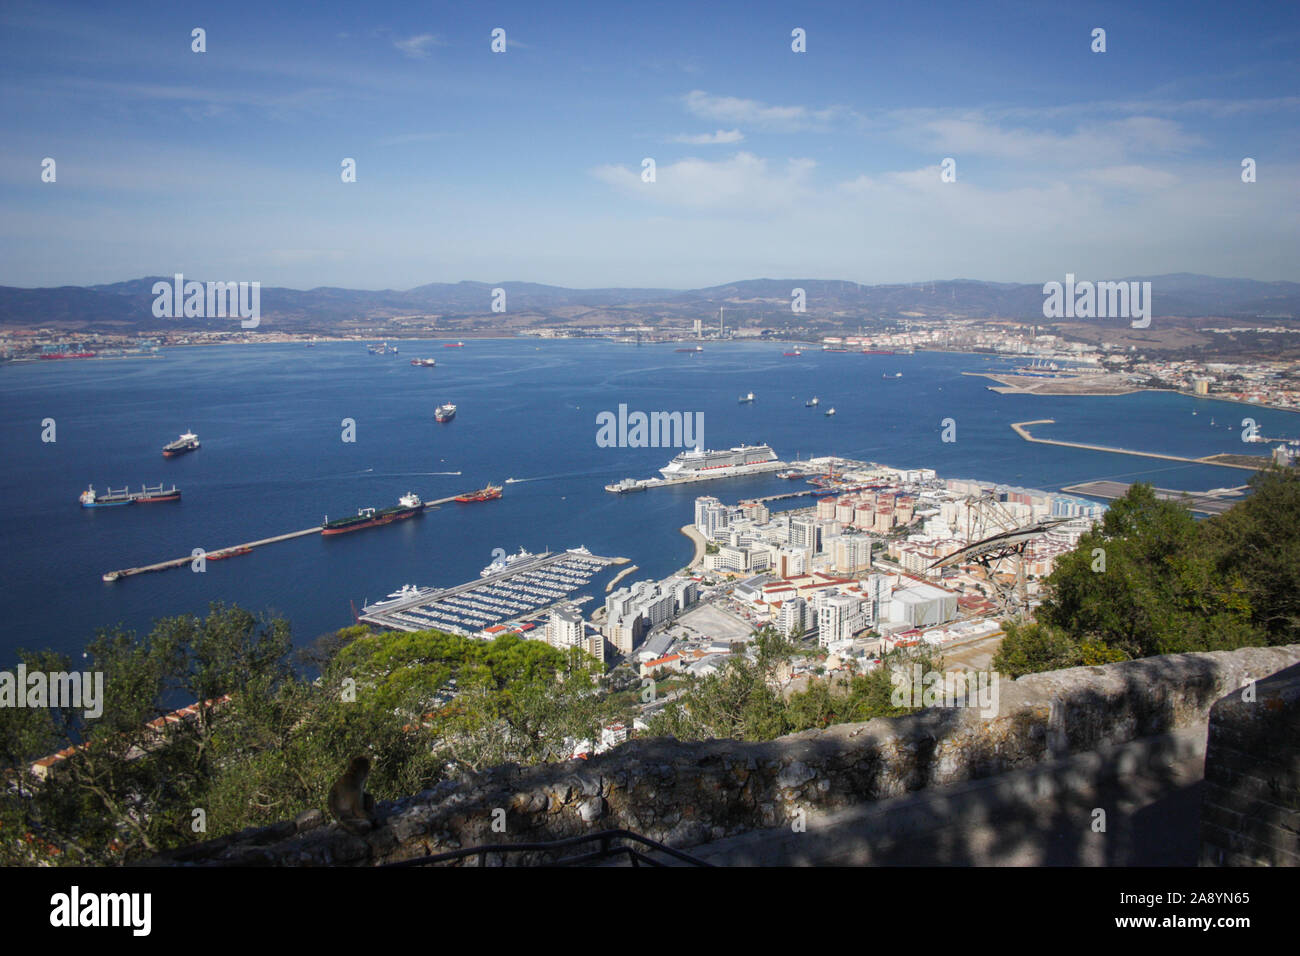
{"x": 700, "y": 544}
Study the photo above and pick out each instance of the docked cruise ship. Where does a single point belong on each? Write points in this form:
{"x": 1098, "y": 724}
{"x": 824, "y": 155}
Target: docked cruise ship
{"x": 696, "y": 461}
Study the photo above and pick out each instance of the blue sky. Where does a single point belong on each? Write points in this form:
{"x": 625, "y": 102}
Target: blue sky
{"x": 527, "y": 165}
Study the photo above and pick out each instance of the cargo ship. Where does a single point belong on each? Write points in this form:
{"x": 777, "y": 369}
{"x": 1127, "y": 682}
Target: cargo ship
{"x": 444, "y": 413}
{"x": 186, "y": 443}
{"x": 698, "y": 348}
{"x": 93, "y": 499}
{"x": 483, "y": 494}
{"x": 453, "y": 345}
{"x": 407, "y": 506}
{"x": 697, "y": 461}
{"x": 795, "y": 352}
{"x": 424, "y": 362}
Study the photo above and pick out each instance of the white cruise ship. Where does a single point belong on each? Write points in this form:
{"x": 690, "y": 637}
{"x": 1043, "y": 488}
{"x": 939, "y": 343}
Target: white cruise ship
{"x": 697, "y": 460}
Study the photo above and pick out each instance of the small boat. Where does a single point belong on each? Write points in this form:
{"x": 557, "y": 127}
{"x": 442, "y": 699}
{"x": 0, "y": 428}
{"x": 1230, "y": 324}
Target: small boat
{"x": 830, "y": 412}
{"x": 747, "y": 398}
{"x": 795, "y": 352}
{"x": 453, "y": 345}
{"x": 812, "y": 402}
{"x": 424, "y": 362}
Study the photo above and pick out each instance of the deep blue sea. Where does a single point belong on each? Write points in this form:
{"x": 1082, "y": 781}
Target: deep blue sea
{"x": 272, "y": 460}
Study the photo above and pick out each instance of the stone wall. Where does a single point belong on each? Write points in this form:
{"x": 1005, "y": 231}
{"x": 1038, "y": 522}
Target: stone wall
{"x": 1250, "y": 814}
{"x": 686, "y": 794}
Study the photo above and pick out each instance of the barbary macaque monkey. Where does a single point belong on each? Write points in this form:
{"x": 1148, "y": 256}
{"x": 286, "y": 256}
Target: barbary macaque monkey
{"x": 349, "y": 802}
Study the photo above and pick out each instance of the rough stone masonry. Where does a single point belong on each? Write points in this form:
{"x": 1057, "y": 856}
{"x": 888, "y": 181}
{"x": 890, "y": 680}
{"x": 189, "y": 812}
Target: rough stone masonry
{"x": 685, "y": 794}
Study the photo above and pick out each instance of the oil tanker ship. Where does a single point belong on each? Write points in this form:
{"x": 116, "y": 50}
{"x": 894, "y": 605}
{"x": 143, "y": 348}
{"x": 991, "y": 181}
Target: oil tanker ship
{"x": 444, "y": 413}
{"x": 408, "y": 506}
{"x": 186, "y": 443}
{"x": 489, "y": 493}
{"x": 90, "y": 498}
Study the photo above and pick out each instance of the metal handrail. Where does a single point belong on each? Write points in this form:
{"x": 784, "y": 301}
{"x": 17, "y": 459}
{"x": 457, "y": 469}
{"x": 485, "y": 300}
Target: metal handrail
{"x": 607, "y": 851}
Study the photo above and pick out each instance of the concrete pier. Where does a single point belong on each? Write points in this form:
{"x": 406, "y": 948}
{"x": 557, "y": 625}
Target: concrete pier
{"x": 181, "y": 562}
{"x": 1022, "y": 429}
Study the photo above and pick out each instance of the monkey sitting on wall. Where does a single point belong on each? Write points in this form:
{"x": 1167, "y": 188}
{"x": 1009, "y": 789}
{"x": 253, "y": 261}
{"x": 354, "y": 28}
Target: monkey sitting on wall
{"x": 349, "y": 802}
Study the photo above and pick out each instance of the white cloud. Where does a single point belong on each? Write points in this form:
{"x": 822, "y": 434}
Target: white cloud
{"x": 744, "y": 182}
{"x": 974, "y": 133}
{"x": 1131, "y": 177}
{"x": 416, "y": 47}
{"x": 731, "y": 109}
{"x": 707, "y": 139}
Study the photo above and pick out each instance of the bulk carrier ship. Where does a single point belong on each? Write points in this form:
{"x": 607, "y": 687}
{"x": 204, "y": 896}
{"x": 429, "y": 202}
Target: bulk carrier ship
{"x": 407, "y": 506}
{"x": 108, "y": 499}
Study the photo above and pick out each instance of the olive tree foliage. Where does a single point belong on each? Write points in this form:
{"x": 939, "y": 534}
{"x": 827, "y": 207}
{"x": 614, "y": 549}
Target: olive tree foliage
{"x": 260, "y": 741}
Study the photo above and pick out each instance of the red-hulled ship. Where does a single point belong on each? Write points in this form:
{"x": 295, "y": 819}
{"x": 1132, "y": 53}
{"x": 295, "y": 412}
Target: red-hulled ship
{"x": 408, "y": 506}
{"x": 483, "y": 494}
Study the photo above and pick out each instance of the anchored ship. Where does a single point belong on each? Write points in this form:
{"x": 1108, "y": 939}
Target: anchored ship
{"x": 186, "y": 443}
{"x": 696, "y": 461}
{"x": 747, "y": 398}
{"x": 453, "y": 345}
{"x": 407, "y": 506}
{"x": 483, "y": 494}
{"x": 812, "y": 402}
{"x": 830, "y": 412}
{"x": 424, "y": 362}
{"x": 444, "y": 413}
{"x": 93, "y": 499}
{"x": 698, "y": 348}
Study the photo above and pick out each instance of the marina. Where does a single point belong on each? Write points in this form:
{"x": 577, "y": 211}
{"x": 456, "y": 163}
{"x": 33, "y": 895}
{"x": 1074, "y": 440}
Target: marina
{"x": 525, "y": 587}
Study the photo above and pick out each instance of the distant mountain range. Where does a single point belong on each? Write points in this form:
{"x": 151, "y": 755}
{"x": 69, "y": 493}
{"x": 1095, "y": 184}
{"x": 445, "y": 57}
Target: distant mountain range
{"x": 124, "y": 306}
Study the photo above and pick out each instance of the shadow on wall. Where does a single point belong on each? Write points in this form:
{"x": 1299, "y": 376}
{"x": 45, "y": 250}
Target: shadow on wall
{"x": 1021, "y": 787}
